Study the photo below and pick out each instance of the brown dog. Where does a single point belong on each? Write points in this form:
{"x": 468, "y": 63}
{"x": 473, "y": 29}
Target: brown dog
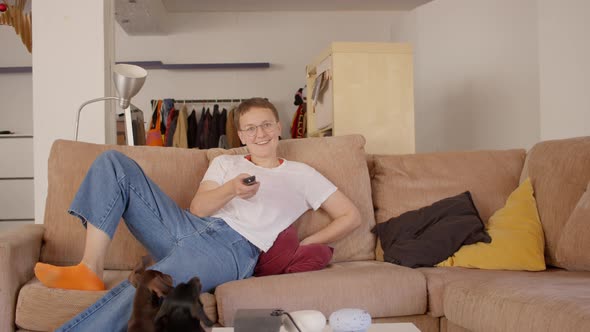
{"x": 151, "y": 287}
{"x": 182, "y": 309}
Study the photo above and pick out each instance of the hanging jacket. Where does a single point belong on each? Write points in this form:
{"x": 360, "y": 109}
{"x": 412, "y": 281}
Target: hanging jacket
{"x": 192, "y": 134}
{"x": 172, "y": 118}
{"x": 298, "y": 125}
{"x": 204, "y": 128}
{"x": 180, "y": 134}
{"x": 201, "y": 130}
{"x": 154, "y": 135}
{"x": 231, "y": 132}
{"x": 213, "y": 137}
{"x": 222, "y": 121}
{"x": 207, "y": 130}
{"x": 167, "y": 105}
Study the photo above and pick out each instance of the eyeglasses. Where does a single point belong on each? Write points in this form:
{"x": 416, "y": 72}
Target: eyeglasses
{"x": 266, "y": 126}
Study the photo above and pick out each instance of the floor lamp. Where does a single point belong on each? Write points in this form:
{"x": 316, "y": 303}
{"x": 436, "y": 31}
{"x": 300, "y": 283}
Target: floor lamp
{"x": 128, "y": 81}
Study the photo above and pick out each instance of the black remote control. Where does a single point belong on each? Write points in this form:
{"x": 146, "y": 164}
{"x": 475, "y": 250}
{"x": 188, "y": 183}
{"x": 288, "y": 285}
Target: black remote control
{"x": 249, "y": 180}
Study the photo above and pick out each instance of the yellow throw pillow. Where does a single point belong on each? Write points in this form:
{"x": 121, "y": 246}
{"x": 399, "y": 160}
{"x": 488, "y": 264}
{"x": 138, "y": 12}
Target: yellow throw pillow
{"x": 517, "y": 238}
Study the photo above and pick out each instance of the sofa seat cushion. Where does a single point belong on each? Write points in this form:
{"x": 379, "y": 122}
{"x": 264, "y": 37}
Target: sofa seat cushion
{"x": 383, "y": 289}
{"x": 438, "y": 278}
{"x": 554, "y": 300}
{"x": 40, "y": 308}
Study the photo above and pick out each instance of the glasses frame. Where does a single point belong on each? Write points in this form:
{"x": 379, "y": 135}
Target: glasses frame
{"x": 261, "y": 126}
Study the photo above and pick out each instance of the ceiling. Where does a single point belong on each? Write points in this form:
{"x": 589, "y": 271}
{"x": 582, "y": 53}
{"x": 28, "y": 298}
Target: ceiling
{"x": 144, "y": 17}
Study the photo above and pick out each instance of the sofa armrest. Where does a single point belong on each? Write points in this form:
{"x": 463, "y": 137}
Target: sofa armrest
{"x": 19, "y": 251}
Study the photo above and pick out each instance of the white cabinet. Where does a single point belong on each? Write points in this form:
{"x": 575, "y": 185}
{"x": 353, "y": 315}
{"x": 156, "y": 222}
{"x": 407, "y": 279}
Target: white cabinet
{"x": 16, "y": 180}
{"x": 367, "y": 89}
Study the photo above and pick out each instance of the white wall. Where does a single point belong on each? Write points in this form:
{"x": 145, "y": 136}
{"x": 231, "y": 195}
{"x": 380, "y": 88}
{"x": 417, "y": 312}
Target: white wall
{"x": 288, "y": 40}
{"x": 71, "y": 64}
{"x": 476, "y": 74}
{"x": 483, "y": 68}
{"x": 564, "y": 57}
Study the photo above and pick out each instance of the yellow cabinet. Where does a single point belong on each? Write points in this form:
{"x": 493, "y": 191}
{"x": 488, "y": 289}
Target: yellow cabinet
{"x": 364, "y": 88}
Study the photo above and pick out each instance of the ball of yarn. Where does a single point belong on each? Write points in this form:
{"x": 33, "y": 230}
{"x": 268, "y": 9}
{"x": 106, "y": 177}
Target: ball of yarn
{"x": 350, "y": 320}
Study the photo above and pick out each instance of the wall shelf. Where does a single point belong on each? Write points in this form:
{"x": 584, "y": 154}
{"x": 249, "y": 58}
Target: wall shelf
{"x": 13, "y": 70}
{"x": 185, "y": 66}
{"x": 16, "y": 136}
{"x": 160, "y": 65}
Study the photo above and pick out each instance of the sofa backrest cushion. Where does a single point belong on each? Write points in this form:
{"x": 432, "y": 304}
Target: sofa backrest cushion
{"x": 408, "y": 182}
{"x": 343, "y": 161}
{"x": 177, "y": 171}
{"x": 560, "y": 172}
{"x": 574, "y": 243}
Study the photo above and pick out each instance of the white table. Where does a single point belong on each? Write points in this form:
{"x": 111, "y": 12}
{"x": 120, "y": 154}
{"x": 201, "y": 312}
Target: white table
{"x": 377, "y": 327}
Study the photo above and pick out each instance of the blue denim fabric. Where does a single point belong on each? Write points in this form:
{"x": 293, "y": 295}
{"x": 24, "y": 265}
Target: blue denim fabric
{"x": 183, "y": 244}
{"x": 167, "y": 106}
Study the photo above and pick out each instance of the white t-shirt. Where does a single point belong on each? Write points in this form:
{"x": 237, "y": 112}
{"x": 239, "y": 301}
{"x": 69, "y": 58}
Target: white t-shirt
{"x": 285, "y": 193}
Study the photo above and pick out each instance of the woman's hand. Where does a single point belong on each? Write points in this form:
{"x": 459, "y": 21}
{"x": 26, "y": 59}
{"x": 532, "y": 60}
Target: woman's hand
{"x": 242, "y": 190}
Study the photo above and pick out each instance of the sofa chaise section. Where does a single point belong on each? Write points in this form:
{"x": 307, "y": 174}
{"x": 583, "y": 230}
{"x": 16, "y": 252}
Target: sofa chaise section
{"x": 552, "y": 300}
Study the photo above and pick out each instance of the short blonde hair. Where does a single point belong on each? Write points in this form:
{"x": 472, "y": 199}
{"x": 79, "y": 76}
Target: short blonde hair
{"x": 248, "y": 104}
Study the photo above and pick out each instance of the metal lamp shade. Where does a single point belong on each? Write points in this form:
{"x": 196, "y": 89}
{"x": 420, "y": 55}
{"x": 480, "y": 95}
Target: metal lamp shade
{"x": 128, "y": 81}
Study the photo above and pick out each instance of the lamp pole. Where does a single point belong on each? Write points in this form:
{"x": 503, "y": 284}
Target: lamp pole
{"x": 128, "y": 81}
{"x": 128, "y": 119}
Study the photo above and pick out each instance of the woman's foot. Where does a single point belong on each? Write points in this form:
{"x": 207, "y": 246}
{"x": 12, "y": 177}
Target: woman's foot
{"x": 79, "y": 277}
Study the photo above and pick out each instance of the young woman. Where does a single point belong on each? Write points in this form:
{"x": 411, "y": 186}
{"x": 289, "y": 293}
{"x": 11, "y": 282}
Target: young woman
{"x": 218, "y": 239}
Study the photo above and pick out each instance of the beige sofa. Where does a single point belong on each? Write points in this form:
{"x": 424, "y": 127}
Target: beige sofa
{"x": 435, "y": 299}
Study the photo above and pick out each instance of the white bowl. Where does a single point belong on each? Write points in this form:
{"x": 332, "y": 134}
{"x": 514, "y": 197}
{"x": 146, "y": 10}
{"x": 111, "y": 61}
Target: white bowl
{"x": 307, "y": 320}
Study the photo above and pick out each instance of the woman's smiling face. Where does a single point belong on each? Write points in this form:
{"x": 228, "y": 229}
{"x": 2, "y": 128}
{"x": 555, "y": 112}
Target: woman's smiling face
{"x": 260, "y": 130}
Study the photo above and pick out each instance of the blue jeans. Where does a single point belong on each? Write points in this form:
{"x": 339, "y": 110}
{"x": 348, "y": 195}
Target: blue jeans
{"x": 182, "y": 244}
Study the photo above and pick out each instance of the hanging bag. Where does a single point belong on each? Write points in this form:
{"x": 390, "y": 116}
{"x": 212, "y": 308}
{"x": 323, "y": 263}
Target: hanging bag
{"x": 154, "y": 136}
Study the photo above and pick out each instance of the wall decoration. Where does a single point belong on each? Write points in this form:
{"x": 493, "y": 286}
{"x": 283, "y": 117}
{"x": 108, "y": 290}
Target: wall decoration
{"x": 18, "y": 16}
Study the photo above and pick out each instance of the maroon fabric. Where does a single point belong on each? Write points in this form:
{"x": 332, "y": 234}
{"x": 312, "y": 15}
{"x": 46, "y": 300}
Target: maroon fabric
{"x": 287, "y": 256}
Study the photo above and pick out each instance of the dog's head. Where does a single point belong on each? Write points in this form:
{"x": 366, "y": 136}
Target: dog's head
{"x": 151, "y": 287}
{"x": 182, "y": 309}
{"x": 157, "y": 282}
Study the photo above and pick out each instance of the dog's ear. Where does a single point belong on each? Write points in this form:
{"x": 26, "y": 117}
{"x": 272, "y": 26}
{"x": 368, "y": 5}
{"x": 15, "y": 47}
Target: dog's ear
{"x": 167, "y": 279}
{"x": 161, "y": 284}
{"x": 195, "y": 284}
{"x": 135, "y": 276}
{"x": 146, "y": 261}
{"x": 197, "y": 310}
